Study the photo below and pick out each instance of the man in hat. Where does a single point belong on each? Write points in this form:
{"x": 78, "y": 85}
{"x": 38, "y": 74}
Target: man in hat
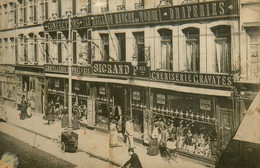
{"x": 134, "y": 161}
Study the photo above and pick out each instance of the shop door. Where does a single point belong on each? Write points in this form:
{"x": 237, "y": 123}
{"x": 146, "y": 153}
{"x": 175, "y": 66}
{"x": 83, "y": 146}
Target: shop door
{"x": 226, "y": 128}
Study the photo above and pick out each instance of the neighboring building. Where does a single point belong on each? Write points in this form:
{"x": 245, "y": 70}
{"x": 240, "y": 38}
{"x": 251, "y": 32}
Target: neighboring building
{"x": 21, "y": 38}
{"x": 159, "y": 60}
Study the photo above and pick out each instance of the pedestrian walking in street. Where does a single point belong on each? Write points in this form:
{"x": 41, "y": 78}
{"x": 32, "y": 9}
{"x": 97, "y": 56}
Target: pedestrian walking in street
{"x": 29, "y": 111}
{"x": 23, "y": 108}
{"x": 64, "y": 118}
{"x": 129, "y": 131}
{"x": 134, "y": 161}
{"x": 50, "y": 113}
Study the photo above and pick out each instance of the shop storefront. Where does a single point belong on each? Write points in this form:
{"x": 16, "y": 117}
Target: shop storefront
{"x": 30, "y": 84}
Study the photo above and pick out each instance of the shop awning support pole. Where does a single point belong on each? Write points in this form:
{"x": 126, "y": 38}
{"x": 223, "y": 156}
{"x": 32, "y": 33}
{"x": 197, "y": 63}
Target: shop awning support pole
{"x": 70, "y": 78}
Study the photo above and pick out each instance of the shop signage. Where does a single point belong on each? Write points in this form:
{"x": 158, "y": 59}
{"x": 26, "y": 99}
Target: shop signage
{"x": 63, "y": 24}
{"x": 81, "y": 70}
{"x": 193, "y": 78}
{"x": 102, "y": 90}
{"x": 160, "y": 99}
{"x": 136, "y": 95}
{"x": 205, "y": 104}
{"x": 56, "y": 68}
{"x": 186, "y": 12}
{"x": 141, "y": 70}
{"x": 112, "y": 68}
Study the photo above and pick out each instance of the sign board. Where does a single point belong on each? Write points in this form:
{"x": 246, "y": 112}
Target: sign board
{"x": 192, "y": 78}
{"x": 177, "y": 13}
{"x": 160, "y": 99}
{"x": 205, "y": 104}
{"x": 91, "y": 120}
{"x": 112, "y": 68}
{"x": 136, "y": 95}
{"x": 102, "y": 90}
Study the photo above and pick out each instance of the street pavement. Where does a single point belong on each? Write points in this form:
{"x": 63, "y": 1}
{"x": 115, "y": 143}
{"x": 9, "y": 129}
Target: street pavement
{"x": 90, "y": 141}
{"x": 29, "y": 156}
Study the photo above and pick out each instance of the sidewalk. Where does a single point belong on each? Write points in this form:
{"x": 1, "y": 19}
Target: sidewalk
{"x": 94, "y": 142}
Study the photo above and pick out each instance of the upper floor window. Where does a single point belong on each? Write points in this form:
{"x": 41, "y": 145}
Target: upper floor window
{"x": 33, "y": 10}
{"x": 139, "y": 49}
{"x": 254, "y": 51}
{"x": 121, "y": 47}
{"x": 44, "y": 9}
{"x": 166, "y": 59}
{"x": 192, "y": 62}
{"x": 105, "y": 46}
{"x": 13, "y": 13}
{"x": 139, "y": 4}
{"x": 120, "y": 5}
{"x": 22, "y": 11}
{"x": 222, "y": 54}
{"x": 84, "y": 6}
{"x": 59, "y": 8}
{"x": 105, "y": 6}
{"x": 165, "y": 2}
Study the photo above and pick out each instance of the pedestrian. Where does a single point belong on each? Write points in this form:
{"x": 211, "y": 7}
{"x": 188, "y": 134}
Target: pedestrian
{"x": 29, "y": 111}
{"x": 129, "y": 131}
{"x": 76, "y": 113}
{"x": 64, "y": 118}
{"x": 134, "y": 161}
{"x": 23, "y": 108}
{"x": 153, "y": 148}
{"x": 113, "y": 140}
{"x": 50, "y": 113}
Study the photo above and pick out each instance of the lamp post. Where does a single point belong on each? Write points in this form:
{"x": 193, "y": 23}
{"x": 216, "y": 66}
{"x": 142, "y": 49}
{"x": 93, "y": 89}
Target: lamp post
{"x": 70, "y": 76}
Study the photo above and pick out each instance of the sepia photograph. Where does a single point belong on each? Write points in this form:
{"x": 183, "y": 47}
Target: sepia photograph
{"x": 129, "y": 84}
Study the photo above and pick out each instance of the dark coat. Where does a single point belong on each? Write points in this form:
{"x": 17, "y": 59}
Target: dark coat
{"x": 134, "y": 162}
{"x": 24, "y": 107}
{"x": 50, "y": 113}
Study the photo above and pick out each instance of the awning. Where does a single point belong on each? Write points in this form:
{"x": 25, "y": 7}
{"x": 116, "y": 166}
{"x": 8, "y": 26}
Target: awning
{"x": 185, "y": 89}
{"x": 251, "y": 24}
{"x": 160, "y": 85}
{"x": 249, "y": 129}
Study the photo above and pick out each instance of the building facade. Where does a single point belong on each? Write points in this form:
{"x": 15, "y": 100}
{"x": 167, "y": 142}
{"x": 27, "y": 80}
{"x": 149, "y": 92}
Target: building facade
{"x": 174, "y": 62}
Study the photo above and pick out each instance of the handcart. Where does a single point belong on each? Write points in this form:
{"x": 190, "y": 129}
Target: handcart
{"x": 69, "y": 142}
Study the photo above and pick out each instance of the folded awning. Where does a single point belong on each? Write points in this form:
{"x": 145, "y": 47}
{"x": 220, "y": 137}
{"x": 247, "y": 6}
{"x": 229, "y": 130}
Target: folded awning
{"x": 249, "y": 129}
{"x": 184, "y": 89}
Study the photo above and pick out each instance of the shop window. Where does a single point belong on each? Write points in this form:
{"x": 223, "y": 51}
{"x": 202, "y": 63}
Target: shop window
{"x": 139, "y": 50}
{"x": 254, "y": 50}
{"x": 166, "y": 59}
{"x": 190, "y": 118}
{"x": 105, "y": 46}
{"x": 121, "y": 46}
{"x": 192, "y": 62}
{"x": 222, "y": 55}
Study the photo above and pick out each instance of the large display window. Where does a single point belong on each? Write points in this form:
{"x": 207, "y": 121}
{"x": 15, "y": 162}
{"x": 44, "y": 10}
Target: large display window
{"x": 138, "y": 106}
{"x": 189, "y": 120}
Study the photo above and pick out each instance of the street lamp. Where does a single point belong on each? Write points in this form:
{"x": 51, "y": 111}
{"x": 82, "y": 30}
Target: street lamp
{"x": 134, "y": 61}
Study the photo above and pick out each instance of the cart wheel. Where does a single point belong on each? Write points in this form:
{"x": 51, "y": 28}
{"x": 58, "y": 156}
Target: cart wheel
{"x": 63, "y": 147}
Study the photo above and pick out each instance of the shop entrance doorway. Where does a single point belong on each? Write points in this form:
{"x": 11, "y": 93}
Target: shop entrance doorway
{"x": 119, "y": 94}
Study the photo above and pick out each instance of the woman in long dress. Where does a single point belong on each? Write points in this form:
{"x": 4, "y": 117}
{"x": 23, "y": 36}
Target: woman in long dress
{"x": 153, "y": 148}
{"x": 113, "y": 141}
{"x": 64, "y": 118}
